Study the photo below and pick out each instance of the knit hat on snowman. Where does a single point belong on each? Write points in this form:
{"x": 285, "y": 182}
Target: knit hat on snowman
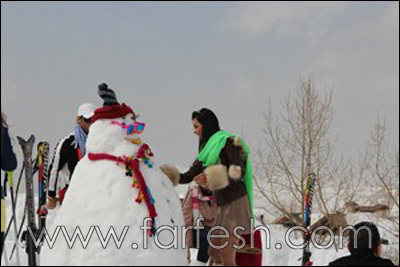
{"x": 111, "y": 109}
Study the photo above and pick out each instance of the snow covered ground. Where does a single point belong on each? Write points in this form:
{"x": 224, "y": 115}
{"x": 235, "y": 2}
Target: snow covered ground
{"x": 272, "y": 257}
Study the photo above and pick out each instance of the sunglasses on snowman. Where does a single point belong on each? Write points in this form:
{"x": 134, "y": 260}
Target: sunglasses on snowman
{"x": 133, "y": 128}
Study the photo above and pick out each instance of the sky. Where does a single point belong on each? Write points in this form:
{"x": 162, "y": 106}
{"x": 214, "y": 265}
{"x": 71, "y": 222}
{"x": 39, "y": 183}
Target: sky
{"x": 167, "y": 59}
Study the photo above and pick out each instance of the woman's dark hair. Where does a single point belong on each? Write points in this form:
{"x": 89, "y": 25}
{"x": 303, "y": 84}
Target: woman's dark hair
{"x": 210, "y": 124}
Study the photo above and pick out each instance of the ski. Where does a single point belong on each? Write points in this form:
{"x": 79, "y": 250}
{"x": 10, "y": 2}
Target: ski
{"x": 308, "y": 202}
{"x": 43, "y": 168}
{"x": 24, "y": 214}
{"x": 27, "y": 147}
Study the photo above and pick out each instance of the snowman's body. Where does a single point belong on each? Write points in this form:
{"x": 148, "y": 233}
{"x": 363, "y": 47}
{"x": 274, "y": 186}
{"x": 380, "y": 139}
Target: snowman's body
{"x": 101, "y": 194}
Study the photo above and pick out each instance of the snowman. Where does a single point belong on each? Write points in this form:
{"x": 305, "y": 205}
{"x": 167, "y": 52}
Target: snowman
{"x": 116, "y": 187}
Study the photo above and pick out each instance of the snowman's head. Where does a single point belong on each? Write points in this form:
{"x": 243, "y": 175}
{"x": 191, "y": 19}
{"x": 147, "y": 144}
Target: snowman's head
{"x": 131, "y": 127}
{"x": 114, "y": 125}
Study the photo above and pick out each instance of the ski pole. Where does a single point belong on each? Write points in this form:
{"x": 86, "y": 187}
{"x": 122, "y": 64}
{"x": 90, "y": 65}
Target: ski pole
{"x": 19, "y": 234}
{"x": 5, "y": 256}
{"x": 13, "y": 203}
{"x": 16, "y": 201}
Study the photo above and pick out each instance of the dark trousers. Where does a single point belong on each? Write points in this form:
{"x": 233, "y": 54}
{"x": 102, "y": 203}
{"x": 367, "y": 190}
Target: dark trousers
{"x": 203, "y": 246}
{"x": 2, "y": 242}
{"x": 3, "y": 219}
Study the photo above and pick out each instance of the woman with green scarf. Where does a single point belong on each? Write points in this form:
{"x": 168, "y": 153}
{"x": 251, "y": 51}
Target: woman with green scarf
{"x": 223, "y": 167}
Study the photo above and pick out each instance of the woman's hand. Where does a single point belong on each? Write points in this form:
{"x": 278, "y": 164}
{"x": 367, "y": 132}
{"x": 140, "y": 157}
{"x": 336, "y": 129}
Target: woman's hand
{"x": 51, "y": 203}
{"x": 201, "y": 180}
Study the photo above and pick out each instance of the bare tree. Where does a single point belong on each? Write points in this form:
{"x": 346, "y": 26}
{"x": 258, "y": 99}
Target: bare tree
{"x": 385, "y": 170}
{"x": 296, "y": 143}
{"x": 385, "y": 163}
